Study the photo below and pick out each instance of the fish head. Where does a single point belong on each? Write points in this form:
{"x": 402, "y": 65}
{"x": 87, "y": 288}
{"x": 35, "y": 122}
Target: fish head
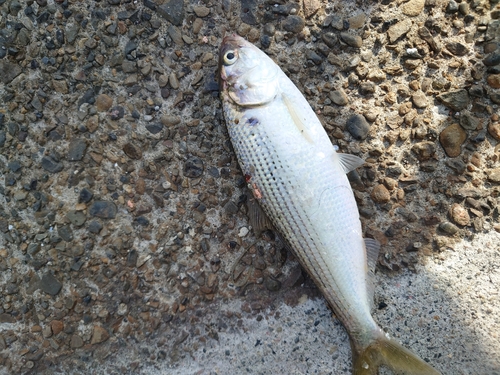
{"x": 247, "y": 75}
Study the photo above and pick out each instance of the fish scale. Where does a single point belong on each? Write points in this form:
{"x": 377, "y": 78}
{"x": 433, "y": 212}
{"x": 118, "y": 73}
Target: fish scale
{"x": 300, "y": 182}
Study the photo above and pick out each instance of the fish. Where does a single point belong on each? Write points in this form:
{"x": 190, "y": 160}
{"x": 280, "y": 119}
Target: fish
{"x": 299, "y": 181}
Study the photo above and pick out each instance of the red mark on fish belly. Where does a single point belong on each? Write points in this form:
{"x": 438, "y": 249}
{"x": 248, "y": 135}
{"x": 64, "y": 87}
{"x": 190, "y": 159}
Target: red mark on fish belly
{"x": 247, "y": 178}
{"x": 256, "y": 192}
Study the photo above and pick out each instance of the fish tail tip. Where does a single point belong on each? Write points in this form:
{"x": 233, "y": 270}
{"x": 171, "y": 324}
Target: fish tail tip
{"x": 389, "y": 353}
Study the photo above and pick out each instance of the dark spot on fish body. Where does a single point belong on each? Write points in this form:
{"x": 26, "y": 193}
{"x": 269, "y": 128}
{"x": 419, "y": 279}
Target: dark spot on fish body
{"x": 252, "y": 121}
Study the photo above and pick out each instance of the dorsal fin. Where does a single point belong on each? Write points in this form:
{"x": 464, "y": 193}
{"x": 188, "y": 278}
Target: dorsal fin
{"x": 372, "y": 249}
{"x": 298, "y": 120}
{"x": 350, "y": 162}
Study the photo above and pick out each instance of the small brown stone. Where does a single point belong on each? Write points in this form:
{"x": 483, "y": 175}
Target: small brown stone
{"x": 380, "y": 194}
{"x": 93, "y": 123}
{"x": 494, "y": 80}
{"x": 57, "y": 326}
{"x": 140, "y": 186}
{"x": 413, "y": 7}
{"x": 451, "y": 139}
{"x": 201, "y": 11}
{"x": 494, "y": 175}
{"x": 459, "y": 214}
{"x": 60, "y": 86}
{"x": 132, "y": 151}
{"x": 99, "y": 335}
{"x": 494, "y": 130}
{"x": 103, "y": 102}
{"x": 76, "y": 342}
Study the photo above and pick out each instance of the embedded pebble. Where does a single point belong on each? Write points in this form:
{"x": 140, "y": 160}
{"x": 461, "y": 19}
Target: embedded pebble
{"x": 380, "y": 194}
{"x": 456, "y": 100}
{"x": 339, "y": 97}
{"x": 351, "y": 39}
{"x": 76, "y": 149}
{"x": 494, "y": 175}
{"x": 413, "y": 7}
{"x": 459, "y": 215}
{"x": 103, "y": 102}
{"x": 398, "y": 30}
{"x": 448, "y": 227}
{"x": 103, "y": 209}
{"x": 419, "y": 99}
{"x": 494, "y": 80}
{"x": 50, "y": 285}
{"x": 358, "y": 126}
{"x": 452, "y": 138}
{"x": 293, "y": 24}
{"x": 99, "y": 334}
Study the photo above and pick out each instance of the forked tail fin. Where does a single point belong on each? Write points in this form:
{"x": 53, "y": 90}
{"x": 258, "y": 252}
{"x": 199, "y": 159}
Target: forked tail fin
{"x": 387, "y": 352}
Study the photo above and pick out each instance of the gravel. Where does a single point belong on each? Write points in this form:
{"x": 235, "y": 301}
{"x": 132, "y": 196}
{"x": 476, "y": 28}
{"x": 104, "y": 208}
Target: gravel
{"x": 125, "y": 245}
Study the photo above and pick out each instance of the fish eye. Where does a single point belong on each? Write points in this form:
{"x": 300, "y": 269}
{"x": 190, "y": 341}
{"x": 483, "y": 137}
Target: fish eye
{"x": 230, "y": 57}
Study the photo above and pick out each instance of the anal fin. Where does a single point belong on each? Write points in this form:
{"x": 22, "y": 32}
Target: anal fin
{"x": 257, "y": 217}
{"x": 372, "y": 250}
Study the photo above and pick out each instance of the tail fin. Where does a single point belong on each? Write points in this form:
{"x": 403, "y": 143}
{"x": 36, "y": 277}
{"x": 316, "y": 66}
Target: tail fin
{"x": 387, "y": 352}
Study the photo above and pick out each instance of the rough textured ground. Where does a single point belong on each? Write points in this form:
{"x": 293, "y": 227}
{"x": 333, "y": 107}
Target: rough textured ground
{"x": 125, "y": 246}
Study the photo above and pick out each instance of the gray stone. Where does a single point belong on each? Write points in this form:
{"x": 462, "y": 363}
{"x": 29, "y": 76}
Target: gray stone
{"x": 249, "y": 11}
{"x": 9, "y": 71}
{"x": 65, "y": 233}
{"x": 50, "y": 165}
{"x": 77, "y": 149}
{"x": 14, "y": 165}
{"x": 351, "y": 39}
{"x": 7, "y": 318}
{"x": 132, "y": 151}
{"x": 494, "y": 175}
{"x": 426, "y": 35}
{"x": 338, "y": 97}
{"x": 231, "y": 208}
{"x": 172, "y": 11}
{"x": 272, "y": 284}
{"x": 72, "y": 32}
{"x": 176, "y": 35}
{"x": 448, "y": 227}
{"x": 293, "y": 24}
{"x": 358, "y": 127}
{"x": 398, "y": 30}
{"x": 469, "y": 122}
{"x": 49, "y": 284}
{"x": 130, "y": 46}
{"x": 419, "y": 99}
{"x": 330, "y": 39}
{"x": 77, "y": 218}
{"x": 458, "y": 49}
{"x": 492, "y": 59}
{"x": 94, "y": 227}
{"x": 154, "y": 128}
{"x": 456, "y": 100}
{"x": 103, "y": 209}
{"x": 193, "y": 167}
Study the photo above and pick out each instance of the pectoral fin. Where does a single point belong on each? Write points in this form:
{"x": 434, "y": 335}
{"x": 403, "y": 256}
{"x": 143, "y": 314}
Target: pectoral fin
{"x": 350, "y": 162}
{"x": 299, "y": 119}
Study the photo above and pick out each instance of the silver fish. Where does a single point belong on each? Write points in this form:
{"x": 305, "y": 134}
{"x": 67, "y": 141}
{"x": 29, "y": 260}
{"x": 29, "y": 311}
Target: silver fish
{"x": 300, "y": 182}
